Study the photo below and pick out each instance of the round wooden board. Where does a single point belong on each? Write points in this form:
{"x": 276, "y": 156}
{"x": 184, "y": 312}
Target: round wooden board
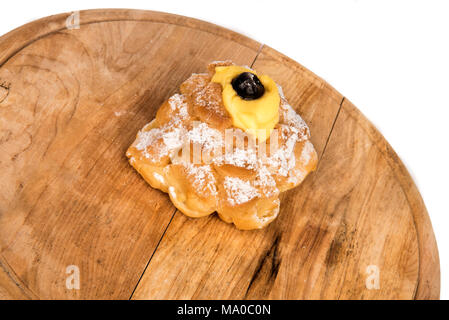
{"x": 71, "y": 102}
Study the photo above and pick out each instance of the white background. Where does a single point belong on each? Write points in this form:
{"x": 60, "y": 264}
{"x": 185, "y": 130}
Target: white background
{"x": 390, "y": 58}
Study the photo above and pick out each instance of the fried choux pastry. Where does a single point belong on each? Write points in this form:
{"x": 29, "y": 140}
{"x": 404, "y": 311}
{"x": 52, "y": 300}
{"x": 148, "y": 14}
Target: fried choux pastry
{"x": 227, "y": 143}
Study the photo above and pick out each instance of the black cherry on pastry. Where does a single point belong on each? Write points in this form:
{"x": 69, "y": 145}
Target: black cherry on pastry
{"x": 248, "y": 86}
{"x": 251, "y": 99}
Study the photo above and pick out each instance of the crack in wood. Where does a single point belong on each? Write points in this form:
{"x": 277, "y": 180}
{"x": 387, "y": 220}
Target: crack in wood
{"x": 12, "y": 276}
{"x": 176, "y": 210}
{"x": 154, "y": 251}
{"x": 267, "y": 268}
{"x": 5, "y": 85}
{"x": 257, "y": 55}
{"x": 4, "y": 90}
{"x": 330, "y": 133}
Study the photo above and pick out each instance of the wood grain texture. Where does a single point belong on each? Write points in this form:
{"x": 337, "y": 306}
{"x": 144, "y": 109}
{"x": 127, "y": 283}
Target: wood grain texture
{"x": 71, "y": 103}
{"x": 76, "y": 100}
{"x": 11, "y": 286}
{"x": 428, "y": 285}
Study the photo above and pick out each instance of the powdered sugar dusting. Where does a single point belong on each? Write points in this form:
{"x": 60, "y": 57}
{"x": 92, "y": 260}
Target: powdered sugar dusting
{"x": 179, "y": 106}
{"x": 306, "y": 152}
{"x": 180, "y": 131}
{"x": 173, "y": 139}
{"x": 283, "y": 159}
{"x": 289, "y": 116}
{"x": 202, "y": 98}
{"x": 168, "y": 141}
{"x": 294, "y": 120}
{"x": 266, "y": 183}
{"x": 281, "y": 92}
{"x": 206, "y": 136}
{"x": 239, "y": 191}
{"x": 168, "y": 138}
{"x": 204, "y": 180}
{"x": 243, "y": 158}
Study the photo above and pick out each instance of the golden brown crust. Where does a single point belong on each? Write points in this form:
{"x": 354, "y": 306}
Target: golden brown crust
{"x": 211, "y": 66}
{"x": 205, "y": 101}
{"x": 242, "y": 184}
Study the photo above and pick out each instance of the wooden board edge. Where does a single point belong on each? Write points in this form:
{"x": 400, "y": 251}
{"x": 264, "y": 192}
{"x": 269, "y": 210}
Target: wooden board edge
{"x": 429, "y": 270}
{"x": 428, "y": 286}
{"x": 323, "y": 84}
{"x": 327, "y": 88}
{"x": 19, "y": 38}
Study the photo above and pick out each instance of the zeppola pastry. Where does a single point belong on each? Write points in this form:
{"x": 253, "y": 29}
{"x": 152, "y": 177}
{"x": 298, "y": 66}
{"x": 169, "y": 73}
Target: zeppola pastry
{"x": 228, "y": 143}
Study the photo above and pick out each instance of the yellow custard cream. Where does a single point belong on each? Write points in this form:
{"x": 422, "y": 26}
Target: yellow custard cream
{"x": 258, "y": 116}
